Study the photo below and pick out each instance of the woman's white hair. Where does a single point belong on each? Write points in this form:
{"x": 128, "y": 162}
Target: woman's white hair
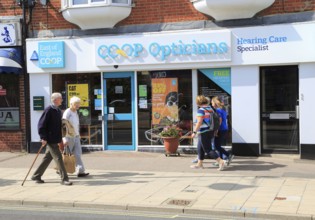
{"x": 74, "y": 99}
{"x": 55, "y": 96}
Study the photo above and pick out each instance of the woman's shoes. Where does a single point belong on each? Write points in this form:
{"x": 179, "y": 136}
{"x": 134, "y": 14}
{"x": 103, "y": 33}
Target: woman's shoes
{"x": 195, "y": 160}
{"x": 196, "y": 167}
{"x": 222, "y": 165}
{"x": 230, "y": 158}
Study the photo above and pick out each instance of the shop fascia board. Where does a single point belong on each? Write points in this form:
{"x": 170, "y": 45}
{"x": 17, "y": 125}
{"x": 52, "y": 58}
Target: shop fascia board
{"x": 229, "y": 10}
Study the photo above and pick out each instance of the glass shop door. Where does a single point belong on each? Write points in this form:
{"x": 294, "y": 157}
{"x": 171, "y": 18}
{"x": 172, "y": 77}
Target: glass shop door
{"x": 119, "y": 111}
{"x": 279, "y": 94}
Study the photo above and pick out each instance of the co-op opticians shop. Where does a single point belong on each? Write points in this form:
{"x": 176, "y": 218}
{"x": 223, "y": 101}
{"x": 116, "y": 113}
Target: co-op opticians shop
{"x": 130, "y": 84}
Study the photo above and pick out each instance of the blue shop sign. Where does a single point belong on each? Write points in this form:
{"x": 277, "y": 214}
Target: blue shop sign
{"x": 8, "y": 35}
{"x": 51, "y": 54}
{"x": 183, "y": 47}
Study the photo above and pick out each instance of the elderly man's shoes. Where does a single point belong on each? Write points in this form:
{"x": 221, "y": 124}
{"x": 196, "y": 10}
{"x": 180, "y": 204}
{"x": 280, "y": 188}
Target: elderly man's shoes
{"x": 38, "y": 180}
{"x": 83, "y": 174}
{"x": 66, "y": 183}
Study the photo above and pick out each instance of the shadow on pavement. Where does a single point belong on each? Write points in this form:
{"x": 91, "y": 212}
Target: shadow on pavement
{"x": 250, "y": 165}
{"x": 229, "y": 186}
{"x": 4, "y": 182}
{"x": 112, "y": 178}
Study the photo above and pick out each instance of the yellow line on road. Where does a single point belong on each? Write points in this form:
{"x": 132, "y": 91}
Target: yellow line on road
{"x": 107, "y": 212}
{"x": 91, "y": 211}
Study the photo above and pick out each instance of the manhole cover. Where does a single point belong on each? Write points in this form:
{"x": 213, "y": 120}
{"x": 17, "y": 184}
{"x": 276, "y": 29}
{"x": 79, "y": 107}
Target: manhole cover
{"x": 179, "y": 202}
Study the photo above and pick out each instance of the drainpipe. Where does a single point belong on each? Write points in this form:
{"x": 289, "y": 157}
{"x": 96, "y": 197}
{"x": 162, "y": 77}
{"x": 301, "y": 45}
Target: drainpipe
{"x": 26, "y": 81}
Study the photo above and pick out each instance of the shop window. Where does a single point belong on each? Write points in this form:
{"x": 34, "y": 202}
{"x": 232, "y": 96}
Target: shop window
{"x": 103, "y": 2}
{"x": 88, "y": 88}
{"x": 120, "y": 1}
{"x": 80, "y": 2}
{"x": 217, "y": 82}
{"x": 9, "y": 102}
{"x": 163, "y": 97}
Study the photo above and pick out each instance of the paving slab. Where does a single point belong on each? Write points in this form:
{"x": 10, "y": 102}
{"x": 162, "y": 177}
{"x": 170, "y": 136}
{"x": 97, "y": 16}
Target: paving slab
{"x": 252, "y": 187}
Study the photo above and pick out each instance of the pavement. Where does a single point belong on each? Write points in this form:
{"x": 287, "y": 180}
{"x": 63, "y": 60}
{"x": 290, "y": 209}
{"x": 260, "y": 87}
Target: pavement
{"x": 266, "y": 187}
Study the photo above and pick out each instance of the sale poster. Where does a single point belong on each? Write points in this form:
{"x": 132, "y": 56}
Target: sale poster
{"x": 164, "y": 100}
{"x": 79, "y": 90}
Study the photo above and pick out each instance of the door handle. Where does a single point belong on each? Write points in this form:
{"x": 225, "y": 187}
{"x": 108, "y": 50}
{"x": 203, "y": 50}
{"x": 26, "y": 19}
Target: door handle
{"x": 297, "y": 112}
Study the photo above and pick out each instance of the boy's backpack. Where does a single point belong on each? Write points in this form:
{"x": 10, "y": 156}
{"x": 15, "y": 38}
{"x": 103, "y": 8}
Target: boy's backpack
{"x": 214, "y": 119}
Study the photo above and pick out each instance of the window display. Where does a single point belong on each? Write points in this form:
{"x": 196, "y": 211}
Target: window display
{"x": 9, "y": 102}
{"x": 87, "y": 87}
{"x": 164, "y": 97}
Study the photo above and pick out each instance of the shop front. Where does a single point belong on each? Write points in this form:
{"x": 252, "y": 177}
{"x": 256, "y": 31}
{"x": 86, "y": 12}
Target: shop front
{"x": 132, "y": 84}
{"x": 12, "y": 112}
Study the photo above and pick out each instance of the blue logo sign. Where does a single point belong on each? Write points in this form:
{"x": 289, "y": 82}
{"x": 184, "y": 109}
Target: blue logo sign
{"x": 51, "y": 54}
{"x": 6, "y": 35}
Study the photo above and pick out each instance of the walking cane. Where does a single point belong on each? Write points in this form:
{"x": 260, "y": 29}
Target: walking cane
{"x": 40, "y": 149}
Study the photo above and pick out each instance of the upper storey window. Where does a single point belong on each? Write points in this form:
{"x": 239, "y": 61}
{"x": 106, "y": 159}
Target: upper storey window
{"x": 227, "y": 9}
{"x": 86, "y": 2}
{"x": 95, "y": 14}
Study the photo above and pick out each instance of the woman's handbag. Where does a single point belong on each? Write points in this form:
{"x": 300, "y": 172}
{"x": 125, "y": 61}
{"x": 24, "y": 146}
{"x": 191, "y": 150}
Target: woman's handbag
{"x": 68, "y": 160}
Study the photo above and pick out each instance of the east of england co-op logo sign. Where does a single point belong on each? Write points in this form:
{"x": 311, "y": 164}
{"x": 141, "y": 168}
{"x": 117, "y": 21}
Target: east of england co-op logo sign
{"x": 51, "y": 54}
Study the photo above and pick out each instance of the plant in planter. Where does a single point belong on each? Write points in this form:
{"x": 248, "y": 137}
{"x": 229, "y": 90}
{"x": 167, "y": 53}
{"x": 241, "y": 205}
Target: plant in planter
{"x": 171, "y": 135}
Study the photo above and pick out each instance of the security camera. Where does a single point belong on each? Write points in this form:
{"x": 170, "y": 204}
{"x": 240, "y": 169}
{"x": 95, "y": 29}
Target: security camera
{"x": 115, "y": 66}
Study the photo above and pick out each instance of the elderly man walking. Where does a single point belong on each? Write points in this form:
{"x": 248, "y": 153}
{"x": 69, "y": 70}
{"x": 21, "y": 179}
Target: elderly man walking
{"x": 49, "y": 129}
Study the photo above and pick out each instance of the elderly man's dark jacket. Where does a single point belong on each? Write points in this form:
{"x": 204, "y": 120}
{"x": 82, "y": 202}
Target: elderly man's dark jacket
{"x": 49, "y": 125}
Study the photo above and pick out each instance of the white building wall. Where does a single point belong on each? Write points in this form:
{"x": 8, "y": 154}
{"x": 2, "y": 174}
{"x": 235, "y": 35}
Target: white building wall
{"x": 245, "y": 104}
{"x": 39, "y": 86}
{"x": 307, "y": 103}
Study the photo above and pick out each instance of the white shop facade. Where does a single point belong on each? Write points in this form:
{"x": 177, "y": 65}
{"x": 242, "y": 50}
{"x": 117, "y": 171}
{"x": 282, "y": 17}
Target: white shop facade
{"x": 130, "y": 84}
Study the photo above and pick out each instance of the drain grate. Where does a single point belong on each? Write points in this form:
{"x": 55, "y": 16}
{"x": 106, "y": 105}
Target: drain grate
{"x": 280, "y": 198}
{"x": 190, "y": 190}
{"x": 179, "y": 202}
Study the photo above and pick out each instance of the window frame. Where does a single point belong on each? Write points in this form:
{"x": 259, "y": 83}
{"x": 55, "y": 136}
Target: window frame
{"x": 17, "y": 107}
{"x": 69, "y": 3}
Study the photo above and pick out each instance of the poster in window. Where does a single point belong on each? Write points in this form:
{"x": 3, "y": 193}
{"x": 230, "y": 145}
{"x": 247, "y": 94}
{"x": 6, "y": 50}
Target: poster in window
{"x": 143, "y": 91}
{"x": 9, "y": 118}
{"x": 79, "y": 90}
{"x": 143, "y": 97}
{"x": 221, "y": 82}
{"x": 164, "y": 100}
{"x": 84, "y": 116}
{"x": 119, "y": 90}
{"x": 217, "y": 83}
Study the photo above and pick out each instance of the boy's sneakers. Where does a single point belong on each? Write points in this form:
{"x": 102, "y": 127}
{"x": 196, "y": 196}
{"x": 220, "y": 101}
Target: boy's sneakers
{"x": 229, "y": 160}
{"x": 216, "y": 164}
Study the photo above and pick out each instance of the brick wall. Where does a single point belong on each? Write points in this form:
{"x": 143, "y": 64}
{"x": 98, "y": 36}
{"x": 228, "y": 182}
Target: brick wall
{"x": 145, "y": 12}
{"x": 161, "y": 11}
{"x": 289, "y": 6}
{"x": 15, "y": 140}
{"x": 11, "y": 141}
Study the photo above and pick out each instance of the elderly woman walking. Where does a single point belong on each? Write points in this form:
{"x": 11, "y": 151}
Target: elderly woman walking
{"x": 71, "y": 120}
{"x": 205, "y": 134}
